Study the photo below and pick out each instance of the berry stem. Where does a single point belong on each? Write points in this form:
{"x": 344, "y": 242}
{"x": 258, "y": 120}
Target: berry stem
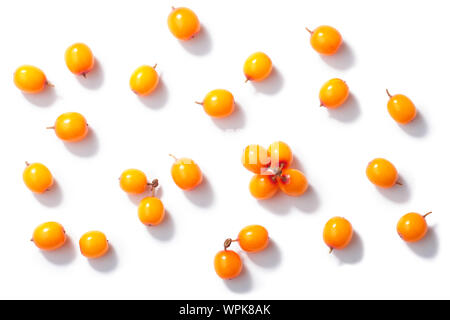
{"x": 175, "y": 158}
{"x": 310, "y": 32}
{"x": 49, "y": 84}
{"x": 246, "y": 80}
{"x": 154, "y": 67}
{"x": 399, "y": 183}
{"x": 27, "y": 163}
{"x": 331, "y": 250}
{"x": 389, "y": 95}
{"x": 227, "y": 244}
{"x": 200, "y": 103}
{"x": 84, "y": 75}
{"x": 50, "y": 127}
{"x": 426, "y": 214}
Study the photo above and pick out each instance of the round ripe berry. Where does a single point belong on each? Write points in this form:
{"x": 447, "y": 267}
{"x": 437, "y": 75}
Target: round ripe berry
{"x": 79, "y": 59}
{"x": 228, "y": 264}
{"x": 337, "y": 233}
{"x": 280, "y": 155}
{"x": 151, "y": 211}
{"x": 144, "y": 80}
{"x": 183, "y": 23}
{"x": 325, "y": 40}
{"x": 401, "y": 108}
{"x": 255, "y": 158}
{"x": 186, "y": 173}
{"x": 253, "y": 238}
{"x": 257, "y": 67}
{"x": 218, "y": 103}
{"x": 70, "y": 127}
{"x": 263, "y": 186}
{"x": 37, "y": 177}
{"x": 382, "y": 173}
{"x": 49, "y": 236}
{"x": 412, "y": 227}
{"x": 30, "y": 79}
{"x": 333, "y": 93}
{"x": 93, "y": 244}
{"x": 292, "y": 182}
{"x": 133, "y": 181}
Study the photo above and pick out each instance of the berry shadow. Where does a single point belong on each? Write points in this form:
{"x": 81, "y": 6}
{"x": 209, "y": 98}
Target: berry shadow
{"x": 348, "y": 112}
{"x": 52, "y": 197}
{"x": 398, "y": 193}
{"x": 164, "y": 231}
{"x": 269, "y": 258}
{"x": 85, "y": 148}
{"x": 234, "y": 121}
{"x": 158, "y": 98}
{"x": 343, "y": 59}
{"x": 107, "y": 263}
{"x": 242, "y": 284}
{"x": 202, "y": 195}
{"x": 42, "y": 99}
{"x": 272, "y": 85}
{"x": 200, "y": 44}
{"x": 417, "y": 128}
{"x": 353, "y": 253}
{"x": 428, "y": 247}
{"x": 94, "y": 79}
{"x": 64, "y": 255}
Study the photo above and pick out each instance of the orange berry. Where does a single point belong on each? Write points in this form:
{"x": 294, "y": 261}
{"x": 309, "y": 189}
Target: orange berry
{"x": 253, "y": 238}
{"x": 257, "y": 67}
{"x": 382, "y": 173}
{"x": 412, "y": 227}
{"x": 263, "y": 186}
{"x": 37, "y": 177}
{"x": 93, "y": 244}
{"x": 292, "y": 182}
{"x": 325, "y": 40}
{"x": 151, "y": 211}
{"x": 144, "y": 80}
{"x": 228, "y": 264}
{"x": 401, "y": 108}
{"x": 280, "y": 155}
{"x": 79, "y": 59}
{"x": 70, "y": 127}
{"x": 337, "y": 233}
{"x": 255, "y": 158}
{"x": 186, "y": 173}
{"x": 49, "y": 236}
{"x": 30, "y": 79}
{"x": 218, "y": 103}
{"x": 133, "y": 181}
{"x": 183, "y": 23}
{"x": 333, "y": 93}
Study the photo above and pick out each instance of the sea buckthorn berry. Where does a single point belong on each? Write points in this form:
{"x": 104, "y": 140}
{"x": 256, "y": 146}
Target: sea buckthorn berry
{"x": 218, "y": 103}
{"x": 186, "y": 173}
{"x": 151, "y": 209}
{"x": 144, "y": 80}
{"x": 412, "y": 227}
{"x": 79, "y": 59}
{"x": 280, "y": 155}
{"x": 228, "y": 264}
{"x": 333, "y": 93}
{"x": 49, "y": 236}
{"x": 30, "y": 79}
{"x": 325, "y": 40}
{"x": 70, "y": 127}
{"x": 93, "y": 244}
{"x": 401, "y": 108}
{"x": 337, "y": 233}
{"x": 257, "y": 67}
{"x": 183, "y": 23}
{"x": 292, "y": 182}
{"x": 253, "y": 238}
{"x": 133, "y": 181}
{"x": 263, "y": 186}
{"x": 255, "y": 158}
{"x": 382, "y": 173}
{"x": 37, "y": 177}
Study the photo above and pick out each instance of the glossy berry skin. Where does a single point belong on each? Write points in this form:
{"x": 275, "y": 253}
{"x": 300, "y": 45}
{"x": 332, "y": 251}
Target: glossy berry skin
{"x": 263, "y": 186}
{"x": 71, "y": 127}
{"x": 255, "y": 159}
{"x": 30, "y": 79}
{"x": 218, "y": 103}
{"x": 151, "y": 211}
{"x": 133, "y": 181}
{"x": 337, "y": 233}
{"x": 93, "y": 244}
{"x": 333, "y": 93}
{"x": 144, "y": 80}
{"x": 257, "y": 67}
{"x": 326, "y": 40}
{"x": 37, "y": 177}
{"x": 412, "y": 227}
{"x": 49, "y": 236}
{"x": 382, "y": 173}
{"x": 293, "y": 182}
{"x": 280, "y": 155}
{"x": 253, "y": 238}
{"x": 401, "y": 108}
{"x": 183, "y": 23}
{"x": 228, "y": 264}
{"x": 79, "y": 59}
{"x": 186, "y": 174}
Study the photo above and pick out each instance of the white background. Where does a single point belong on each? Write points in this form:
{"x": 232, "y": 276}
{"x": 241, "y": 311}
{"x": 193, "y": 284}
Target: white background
{"x": 401, "y": 45}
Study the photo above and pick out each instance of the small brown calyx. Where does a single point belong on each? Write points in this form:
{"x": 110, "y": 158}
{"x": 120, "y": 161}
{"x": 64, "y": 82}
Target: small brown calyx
{"x": 83, "y": 74}
{"x": 27, "y": 163}
{"x": 426, "y": 214}
{"x": 48, "y": 83}
{"x": 399, "y": 183}
{"x": 227, "y": 243}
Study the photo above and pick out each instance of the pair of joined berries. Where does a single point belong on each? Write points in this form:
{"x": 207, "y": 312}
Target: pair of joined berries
{"x": 228, "y": 263}
{"x": 51, "y": 236}
{"x": 273, "y": 172}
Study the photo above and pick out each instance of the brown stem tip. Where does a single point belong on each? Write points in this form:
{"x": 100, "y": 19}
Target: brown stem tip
{"x": 175, "y": 158}
{"x": 200, "y": 103}
{"x": 389, "y": 95}
{"x": 331, "y": 250}
{"x": 50, "y": 127}
{"x": 227, "y": 243}
{"x": 426, "y": 214}
{"x": 310, "y": 32}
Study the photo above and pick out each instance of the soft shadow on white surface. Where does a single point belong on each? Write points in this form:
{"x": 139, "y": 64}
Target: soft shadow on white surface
{"x": 85, "y": 148}
{"x": 271, "y": 85}
{"x": 428, "y": 247}
{"x": 353, "y": 253}
{"x": 42, "y": 99}
{"x": 348, "y": 112}
{"x": 107, "y": 263}
{"x": 398, "y": 193}
{"x": 343, "y": 59}
{"x": 158, "y": 98}
{"x": 164, "y": 231}
{"x": 52, "y": 197}
{"x": 200, "y": 44}
{"x": 417, "y": 128}
{"x": 281, "y": 203}
{"x": 94, "y": 78}
{"x": 234, "y": 121}
{"x": 137, "y": 198}
{"x": 269, "y": 258}
{"x": 62, "y": 256}
{"x": 202, "y": 195}
{"x": 242, "y": 284}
